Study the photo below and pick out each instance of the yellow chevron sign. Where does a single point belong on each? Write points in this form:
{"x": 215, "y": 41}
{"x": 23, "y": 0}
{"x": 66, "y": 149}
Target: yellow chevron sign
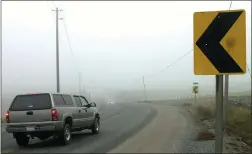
{"x": 195, "y": 89}
{"x": 219, "y": 42}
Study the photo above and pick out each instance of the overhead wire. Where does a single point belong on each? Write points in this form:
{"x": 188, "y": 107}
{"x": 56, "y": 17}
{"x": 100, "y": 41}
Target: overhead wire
{"x": 67, "y": 37}
{"x": 166, "y": 67}
{"x": 69, "y": 43}
{"x": 54, "y": 4}
{"x": 68, "y": 40}
{"x": 169, "y": 65}
{"x": 180, "y": 58}
{"x": 67, "y": 34}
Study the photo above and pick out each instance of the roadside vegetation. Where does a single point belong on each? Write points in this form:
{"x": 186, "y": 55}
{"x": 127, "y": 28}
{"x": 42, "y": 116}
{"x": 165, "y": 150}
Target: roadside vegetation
{"x": 239, "y": 122}
{"x": 3, "y": 120}
{"x": 238, "y": 119}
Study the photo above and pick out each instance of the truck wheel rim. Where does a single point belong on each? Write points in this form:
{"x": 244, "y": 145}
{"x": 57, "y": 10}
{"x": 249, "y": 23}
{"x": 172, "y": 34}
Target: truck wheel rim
{"x": 67, "y": 134}
{"x": 97, "y": 125}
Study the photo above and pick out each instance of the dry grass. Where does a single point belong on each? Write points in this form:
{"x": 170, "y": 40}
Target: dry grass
{"x": 205, "y": 111}
{"x": 3, "y": 120}
{"x": 238, "y": 122}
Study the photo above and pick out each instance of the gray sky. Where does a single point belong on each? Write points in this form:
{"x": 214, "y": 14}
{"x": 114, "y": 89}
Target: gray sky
{"x": 114, "y": 44}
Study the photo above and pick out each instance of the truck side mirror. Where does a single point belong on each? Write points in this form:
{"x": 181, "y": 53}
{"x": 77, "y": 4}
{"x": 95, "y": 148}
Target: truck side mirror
{"x": 93, "y": 104}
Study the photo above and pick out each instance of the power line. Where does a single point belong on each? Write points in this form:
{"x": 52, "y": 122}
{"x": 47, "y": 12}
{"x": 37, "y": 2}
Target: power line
{"x": 54, "y": 4}
{"x": 186, "y": 53}
{"x": 68, "y": 41}
{"x": 180, "y": 58}
{"x": 66, "y": 30}
{"x": 67, "y": 35}
{"x": 175, "y": 61}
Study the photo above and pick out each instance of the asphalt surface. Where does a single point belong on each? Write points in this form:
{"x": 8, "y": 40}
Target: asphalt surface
{"x": 162, "y": 135}
{"x": 119, "y": 121}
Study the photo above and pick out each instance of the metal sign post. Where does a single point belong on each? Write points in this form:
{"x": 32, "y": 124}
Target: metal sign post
{"x": 195, "y": 98}
{"x": 219, "y": 49}
{"x": 219, "y": 114}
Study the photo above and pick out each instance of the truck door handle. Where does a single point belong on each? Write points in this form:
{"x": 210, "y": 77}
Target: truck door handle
{"x": 79, "y": 110}
{"x": 84, "y": 109}
{"x": 29, "y": 113}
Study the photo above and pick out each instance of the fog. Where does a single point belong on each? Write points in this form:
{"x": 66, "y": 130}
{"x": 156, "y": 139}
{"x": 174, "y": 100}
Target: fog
{"x": 112, "y": 45}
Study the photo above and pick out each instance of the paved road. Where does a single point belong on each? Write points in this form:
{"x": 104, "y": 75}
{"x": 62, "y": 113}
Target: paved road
{"x": 164, "y": 134}
{"x": 119, "y": 121}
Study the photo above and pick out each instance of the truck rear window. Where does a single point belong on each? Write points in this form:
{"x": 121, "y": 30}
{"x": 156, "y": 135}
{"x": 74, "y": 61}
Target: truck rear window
{"x": 31, "y": 102}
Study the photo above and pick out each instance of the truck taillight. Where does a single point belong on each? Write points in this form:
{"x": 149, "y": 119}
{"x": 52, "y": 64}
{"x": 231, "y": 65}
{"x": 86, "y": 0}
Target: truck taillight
{"x": 54, "y": 115}
{"x": 7, "y": 116}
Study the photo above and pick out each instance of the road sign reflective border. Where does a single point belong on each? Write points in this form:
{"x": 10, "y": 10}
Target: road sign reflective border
{"x": 219, "y": 42}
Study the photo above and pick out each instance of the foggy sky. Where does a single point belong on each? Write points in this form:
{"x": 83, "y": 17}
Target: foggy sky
{"x": 113, "y": 45}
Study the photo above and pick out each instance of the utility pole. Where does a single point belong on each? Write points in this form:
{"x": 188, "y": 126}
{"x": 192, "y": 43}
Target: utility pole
{"x": 89, "y": 97}
{"x": 79, "y": 83}
{"x": 144, "y": 90}
{"x": 195, "y": 98}
{"x": 57, "y": 49}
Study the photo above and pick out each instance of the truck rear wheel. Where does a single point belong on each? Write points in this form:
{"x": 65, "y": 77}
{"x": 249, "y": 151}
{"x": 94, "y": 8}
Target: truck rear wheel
{"x": 22, "y": 139}
{"x": 96, "y": 126}
{"x": 65, "y": 135}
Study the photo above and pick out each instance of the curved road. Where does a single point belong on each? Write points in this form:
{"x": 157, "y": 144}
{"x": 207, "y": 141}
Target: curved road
{"x": 119, "y": 121}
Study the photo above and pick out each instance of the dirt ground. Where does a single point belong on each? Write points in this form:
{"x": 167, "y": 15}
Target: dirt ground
{"x": 231, "y": 142}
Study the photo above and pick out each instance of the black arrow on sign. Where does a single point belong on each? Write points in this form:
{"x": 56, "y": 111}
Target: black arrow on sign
{"x": 194, "y": 89}
{"x": 209, "y": 42}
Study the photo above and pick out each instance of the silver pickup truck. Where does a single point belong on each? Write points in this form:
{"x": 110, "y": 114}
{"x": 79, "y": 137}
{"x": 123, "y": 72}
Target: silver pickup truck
{"x": 45, "y": 115}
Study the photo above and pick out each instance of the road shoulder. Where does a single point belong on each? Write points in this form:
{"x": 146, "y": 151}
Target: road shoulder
{"x": 203, "y": 138}
{"x": 161, "y": 135}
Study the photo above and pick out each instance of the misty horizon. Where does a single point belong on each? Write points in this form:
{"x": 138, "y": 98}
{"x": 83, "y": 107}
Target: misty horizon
{"x": 111, "y": 44}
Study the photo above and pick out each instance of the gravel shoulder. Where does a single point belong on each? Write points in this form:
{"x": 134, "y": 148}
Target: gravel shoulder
{"x": 177, "y": 129}
{"x": 202, "y": 140}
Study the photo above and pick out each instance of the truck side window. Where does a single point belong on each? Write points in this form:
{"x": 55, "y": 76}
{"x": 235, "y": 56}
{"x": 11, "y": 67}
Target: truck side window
{"x": 83, "y": 101}
{"x": 77, "y": 101}
{"x": 58, "y": 100}
{"x": 68, "y": 100}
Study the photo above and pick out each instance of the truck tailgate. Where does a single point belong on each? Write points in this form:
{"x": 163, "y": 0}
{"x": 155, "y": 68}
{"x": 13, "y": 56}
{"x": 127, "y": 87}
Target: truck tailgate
{"x": 30, "y": 108}
{"x": 30, "y": 116}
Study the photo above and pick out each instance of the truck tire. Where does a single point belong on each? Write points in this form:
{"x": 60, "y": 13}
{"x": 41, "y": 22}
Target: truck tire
{"x": 22, "y": 139}
{"x": 96, "y": 126}
{"x": 65, "y": 135}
